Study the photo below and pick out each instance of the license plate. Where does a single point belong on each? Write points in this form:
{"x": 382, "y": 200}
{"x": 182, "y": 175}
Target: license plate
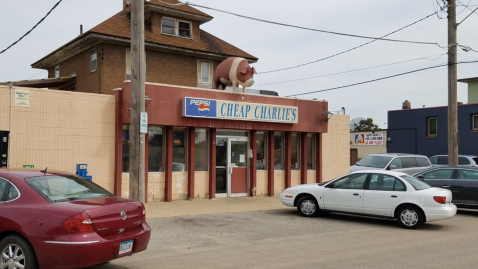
{"x": 126, "y": 246}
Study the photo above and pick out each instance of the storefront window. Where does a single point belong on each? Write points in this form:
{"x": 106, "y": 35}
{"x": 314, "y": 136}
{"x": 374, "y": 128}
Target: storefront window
{"x": 126, "y": 141}
{"x": 261, "y": 148}
{"x": 295, "y": 151}
{"x": 201, "y": 154}
{"x": 179, "y": 150}
{"x": 278, "y": 151}
{"x": 155, "y": 149}
{"x": 311, "y": 151}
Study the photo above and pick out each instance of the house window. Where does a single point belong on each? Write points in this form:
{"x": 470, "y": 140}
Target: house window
{"x": 179, "y": 150}
{"x": 201, "y": 150}
{"x": 93, "y": 60}
{"x": 205, "y": 72}
{"x": 278, "y": 151}
{"x": 175, "y": 27}
{"x": 432, "y": 127}
{"x": 155, "y": 149}
{"x": 474, "y": 121}
{"x": 261, "y": 147}
{"x": 311, "y": 152}
{"x": 57, "y": 71}
{"x": 295, "y": 151}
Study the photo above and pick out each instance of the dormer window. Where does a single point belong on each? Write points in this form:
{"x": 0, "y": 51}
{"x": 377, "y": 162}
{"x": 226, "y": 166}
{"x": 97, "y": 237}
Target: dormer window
{"x": 176, "y": 27}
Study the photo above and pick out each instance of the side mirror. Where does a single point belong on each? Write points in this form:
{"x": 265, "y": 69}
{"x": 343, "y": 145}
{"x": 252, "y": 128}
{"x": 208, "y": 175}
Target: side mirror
{"x": 392, "y": 167}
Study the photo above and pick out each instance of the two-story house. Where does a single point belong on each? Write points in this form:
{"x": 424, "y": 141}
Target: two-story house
{"x": 178, "y": 51}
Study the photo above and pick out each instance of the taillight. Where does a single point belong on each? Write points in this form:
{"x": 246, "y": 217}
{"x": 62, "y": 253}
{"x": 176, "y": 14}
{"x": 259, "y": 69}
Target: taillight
{"x": 143, "y": 217}
{"x": 80, "y": 223}
{"x": 440, "y": 199}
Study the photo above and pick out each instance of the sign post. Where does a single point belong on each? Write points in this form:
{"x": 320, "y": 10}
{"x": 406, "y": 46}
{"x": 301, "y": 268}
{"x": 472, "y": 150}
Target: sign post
{"x": 143, "y": 123}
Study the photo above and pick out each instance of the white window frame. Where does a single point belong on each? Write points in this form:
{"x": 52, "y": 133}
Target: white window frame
{"x": 209, "y": 81}
{"x": 57, "y": 71}
{"x": 91, "y": 60}
{"x": 428, "y": 127}
{"x": 176, "y": 28}
{"x": 473, "y": 126}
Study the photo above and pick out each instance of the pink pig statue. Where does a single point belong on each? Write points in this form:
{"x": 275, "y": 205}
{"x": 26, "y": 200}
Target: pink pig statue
{"x": 233, "y": 72}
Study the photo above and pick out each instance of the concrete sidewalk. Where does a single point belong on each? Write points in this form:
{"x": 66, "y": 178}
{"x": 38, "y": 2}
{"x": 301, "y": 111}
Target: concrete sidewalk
{"x": 206, "y": 206}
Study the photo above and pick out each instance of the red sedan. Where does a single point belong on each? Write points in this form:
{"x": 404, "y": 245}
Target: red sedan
{"x": 58, "y": 220}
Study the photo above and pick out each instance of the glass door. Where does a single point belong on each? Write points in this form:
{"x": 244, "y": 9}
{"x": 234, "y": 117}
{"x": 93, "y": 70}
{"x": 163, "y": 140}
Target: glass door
{"x": 221, "y": 166}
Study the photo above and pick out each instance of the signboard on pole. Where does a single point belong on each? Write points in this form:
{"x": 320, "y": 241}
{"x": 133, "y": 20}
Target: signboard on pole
{"x": 369, "y": 139}
{"x": 143, "y": 123}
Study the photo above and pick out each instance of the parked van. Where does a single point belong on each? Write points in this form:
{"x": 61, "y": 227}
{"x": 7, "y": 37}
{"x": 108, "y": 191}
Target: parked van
{"x": 406, "y": 163}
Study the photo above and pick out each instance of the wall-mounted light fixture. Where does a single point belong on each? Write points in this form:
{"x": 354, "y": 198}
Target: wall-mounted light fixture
{"x": 389, "y": 139}
{"x": 326, "y": 116}
{"x": 147, "y": 100}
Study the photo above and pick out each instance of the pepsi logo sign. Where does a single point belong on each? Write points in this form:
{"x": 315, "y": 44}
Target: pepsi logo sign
{"x": 203, "y": 106}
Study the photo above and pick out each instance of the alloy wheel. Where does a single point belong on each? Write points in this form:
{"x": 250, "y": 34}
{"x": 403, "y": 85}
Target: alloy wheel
{"x": 12, "y": 257}
{"x": 409, "y": 217}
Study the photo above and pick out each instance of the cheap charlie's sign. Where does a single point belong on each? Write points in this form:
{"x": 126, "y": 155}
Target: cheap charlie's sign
{"x": 220, "y": 109}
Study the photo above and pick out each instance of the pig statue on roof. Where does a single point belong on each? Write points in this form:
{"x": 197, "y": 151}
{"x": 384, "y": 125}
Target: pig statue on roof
{"x": 234, "y": 72}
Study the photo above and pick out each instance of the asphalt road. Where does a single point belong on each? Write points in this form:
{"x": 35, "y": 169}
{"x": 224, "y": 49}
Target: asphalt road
{"x": 283, "y": 239}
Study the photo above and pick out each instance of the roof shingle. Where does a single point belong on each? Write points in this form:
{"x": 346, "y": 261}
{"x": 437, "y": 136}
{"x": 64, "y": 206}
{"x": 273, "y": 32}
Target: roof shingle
{"x": 185, "y": 8}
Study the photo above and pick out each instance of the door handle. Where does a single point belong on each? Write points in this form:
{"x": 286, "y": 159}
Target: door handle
{"x": 445, "y": 186}
{"x": 356, "y": 194}
{"x": 394, "y": 196}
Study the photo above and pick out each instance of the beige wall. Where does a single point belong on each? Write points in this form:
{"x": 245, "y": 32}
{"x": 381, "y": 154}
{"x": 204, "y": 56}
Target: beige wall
{"x": 311, "y": 176}
{"x": 261, "y": 182}
{"x": 62, "y": 129}
{"x": 336, "y": 148}
{"x": 180, "y": 186}
{"x": 295, "y": 177}
{"x": 364, "y": 150}
{"x": 279, "y": 182}
{"x": 156, "y": 186}
{"x": 201, "y": 185}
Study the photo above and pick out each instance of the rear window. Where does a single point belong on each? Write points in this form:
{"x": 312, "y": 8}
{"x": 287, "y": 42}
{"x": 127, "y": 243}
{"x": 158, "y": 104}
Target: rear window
{"x": 422, "y": 161}
{"x": 442, "y": 160}
{"x": 66, "y": 188}
{"x": 374, "y": 161}
{"x": 409, "y": 162}
{"x": 416, "y": 184}
{"x": 463, "y": 160}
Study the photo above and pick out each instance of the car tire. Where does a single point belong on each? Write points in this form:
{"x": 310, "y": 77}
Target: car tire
{"x": 410, "y": 217}
{"x": 308, "y": 206}
{"x": 18, "y": 249}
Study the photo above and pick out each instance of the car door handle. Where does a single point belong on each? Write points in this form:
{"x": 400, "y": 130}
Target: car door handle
{"x": 445, "y": 186}
{"x": 394, "y": 196}
{"x": 356, "y": 194}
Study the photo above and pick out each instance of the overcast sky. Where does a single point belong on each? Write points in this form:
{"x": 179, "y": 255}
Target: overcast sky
{"x": 281, "y": 47}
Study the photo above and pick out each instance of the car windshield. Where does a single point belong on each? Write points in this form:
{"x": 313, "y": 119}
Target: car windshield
{"x": 66, "y": 188}
{"x": 374, "y": 161}
{"x": 417, "y": 184}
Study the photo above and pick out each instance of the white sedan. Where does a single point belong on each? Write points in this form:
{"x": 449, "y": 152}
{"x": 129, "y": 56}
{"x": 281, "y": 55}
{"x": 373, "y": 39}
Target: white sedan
{"x": 386, "y": 194}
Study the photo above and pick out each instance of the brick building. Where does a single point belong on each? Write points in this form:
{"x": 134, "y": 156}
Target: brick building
{"x": 178, "y": 51}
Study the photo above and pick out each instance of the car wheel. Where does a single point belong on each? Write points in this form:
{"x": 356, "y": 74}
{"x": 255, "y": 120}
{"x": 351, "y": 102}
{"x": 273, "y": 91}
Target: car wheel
{"x": 410, "y": 217}
{"x": 308, "y": 207}
{"x": 17, "y": 253}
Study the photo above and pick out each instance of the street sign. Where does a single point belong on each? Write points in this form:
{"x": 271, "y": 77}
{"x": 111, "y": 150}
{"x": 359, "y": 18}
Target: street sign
{"x": 28, "y": 166}
{"x": 143, "y": 123}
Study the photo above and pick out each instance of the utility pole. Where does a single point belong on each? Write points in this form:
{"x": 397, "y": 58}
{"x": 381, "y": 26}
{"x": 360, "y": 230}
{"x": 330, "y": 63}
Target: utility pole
{"x": 452, "y": 86}
{"x": 138, "y": 69}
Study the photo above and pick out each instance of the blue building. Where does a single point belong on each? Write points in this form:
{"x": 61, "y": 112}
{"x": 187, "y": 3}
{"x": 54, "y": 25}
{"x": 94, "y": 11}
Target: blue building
{"x": 425, "y": 130}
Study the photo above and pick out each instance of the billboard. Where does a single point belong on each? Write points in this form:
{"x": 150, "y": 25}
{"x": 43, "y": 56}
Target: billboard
{"x": 369, "y": 139}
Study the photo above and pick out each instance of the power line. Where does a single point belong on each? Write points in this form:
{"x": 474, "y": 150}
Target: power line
{"x": 355, "y": 70}
{"x": 468, "y": 7}
{"x": 37, "y": 74}
{"x": 373, "y": 80}
{"x": 464, "y": 8}
{"x": 337, "y": 54}
{"x": 467, "y": 17}
{"x": 317, "y": 30}
{"x": 32, "y": 28}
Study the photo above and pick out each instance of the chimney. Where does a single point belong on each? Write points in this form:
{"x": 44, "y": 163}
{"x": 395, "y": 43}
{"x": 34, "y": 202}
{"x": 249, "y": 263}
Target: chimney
{"x": 406, "y": 105}
{"x": 126, "y": 3}
{"x": 81, "y": 29}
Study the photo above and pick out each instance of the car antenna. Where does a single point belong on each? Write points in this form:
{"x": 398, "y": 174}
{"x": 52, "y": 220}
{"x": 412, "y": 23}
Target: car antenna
{"x": 44, "y": 171}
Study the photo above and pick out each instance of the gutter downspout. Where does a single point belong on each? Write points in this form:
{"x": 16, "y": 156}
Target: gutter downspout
{"x": 9, "y": 126}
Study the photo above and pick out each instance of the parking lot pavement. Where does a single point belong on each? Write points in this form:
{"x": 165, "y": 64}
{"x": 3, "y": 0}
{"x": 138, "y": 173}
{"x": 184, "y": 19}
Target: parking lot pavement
{"x": 282, "y": 239}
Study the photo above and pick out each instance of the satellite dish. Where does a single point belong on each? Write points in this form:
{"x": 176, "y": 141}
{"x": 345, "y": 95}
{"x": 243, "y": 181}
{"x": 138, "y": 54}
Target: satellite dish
{"x": 355, "y": 122}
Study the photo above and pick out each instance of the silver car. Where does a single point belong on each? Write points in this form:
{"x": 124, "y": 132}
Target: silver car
{"x": 406, "y": 163}
{"x": 463, "y": 160}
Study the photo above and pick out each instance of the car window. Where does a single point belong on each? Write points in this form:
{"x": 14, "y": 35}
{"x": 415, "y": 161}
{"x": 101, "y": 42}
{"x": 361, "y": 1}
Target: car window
{"x": 409, "y": 162}
{"x": 66, "y": 188}
{"x": 422, "y": 161}
{"x": 399, "y": 186}
{"x": 476, "y": 160}
{"x": 380, "y": 182}
{"x": 397, "y": 162}
{"x": 12, "y": 193}
{"x": 3, "y": 186}
{"x": 353, "y": 181}
{"x": 374, "y": 161}
{"x": 463, "y": 161}
{"x": 467, "y": 174}
{"x": 438, "y": 174}
{"x": 442, "y": 160}
{"x": 434, "y": 159}
{"x": 416, "y": 184}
